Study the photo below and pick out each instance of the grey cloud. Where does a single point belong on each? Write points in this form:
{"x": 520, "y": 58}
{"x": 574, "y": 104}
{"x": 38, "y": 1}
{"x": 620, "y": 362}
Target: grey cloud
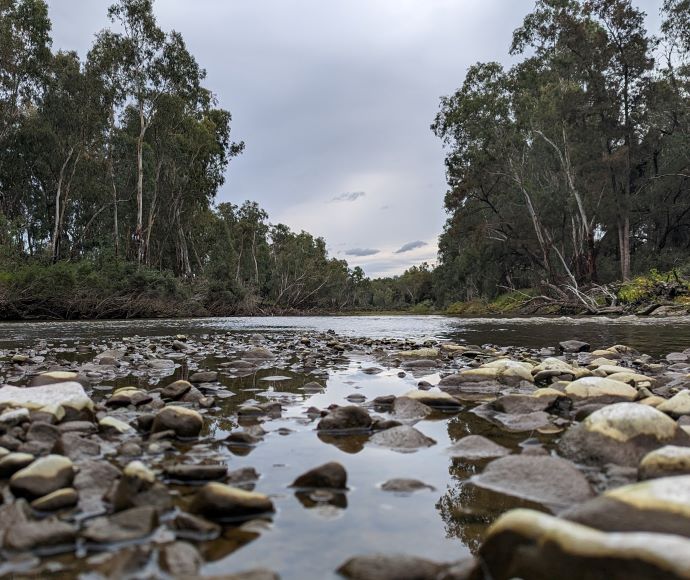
{"x": 349, "y": 196}
{"x": 408, "y": 247}
{"x": 362, "y": 252}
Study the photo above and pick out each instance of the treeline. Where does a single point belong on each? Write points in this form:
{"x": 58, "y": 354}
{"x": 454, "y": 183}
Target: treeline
{"x": 109, "y": 168}
{"x": 571, "y": 168}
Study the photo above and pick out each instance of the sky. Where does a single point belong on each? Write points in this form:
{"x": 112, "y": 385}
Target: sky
{"x": 334, "y": 99}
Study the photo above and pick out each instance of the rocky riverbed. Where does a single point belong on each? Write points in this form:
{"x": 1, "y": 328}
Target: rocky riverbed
{"x": 315, "y": 455}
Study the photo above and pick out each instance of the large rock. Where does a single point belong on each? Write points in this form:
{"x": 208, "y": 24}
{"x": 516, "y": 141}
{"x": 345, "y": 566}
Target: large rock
{"x": 668, "y": 460}
{"x": 42, "y": 477}
{"x": 54, "y": 377}
{"x": 330, "y": 475}
{"x": 513, "y": 423}
{"x": 677, "y": 405}
{"x": 658, "y": 505}
{"x": 57, "y": 399}
{"x": 600, "y": 389}
{"x": 532, "y": 545}
{"x": 621, "y": 433}
{"x": 26, "y": 536}
{"x": 125, "y": 526}
{"x": 349, "y": 418}
{"x": 184, "y": 422}
{"x": 218, "y": 501}
{"x": 550, "y": 481}
{"x": 402, "y": 438}
{"x": 476, "y": 447}
{"x": 408, "y": 410}
{"x": 435, "y": 399}
{"x": 574, "y": 346}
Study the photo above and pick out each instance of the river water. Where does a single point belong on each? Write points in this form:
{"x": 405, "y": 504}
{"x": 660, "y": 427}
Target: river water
{"x": 650, "y": 335}
{"x": 309, "y": 538}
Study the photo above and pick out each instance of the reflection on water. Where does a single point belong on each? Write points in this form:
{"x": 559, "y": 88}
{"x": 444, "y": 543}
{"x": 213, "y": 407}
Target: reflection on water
{"x": 312, "y": 533}
{"x": 654, "y": 336}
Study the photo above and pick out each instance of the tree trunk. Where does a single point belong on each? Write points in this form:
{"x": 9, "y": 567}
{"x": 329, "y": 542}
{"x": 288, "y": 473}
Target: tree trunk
{"x": 138, "y": 232}
{"x": 111, "y": 172}
{"x": 57, "y": 226}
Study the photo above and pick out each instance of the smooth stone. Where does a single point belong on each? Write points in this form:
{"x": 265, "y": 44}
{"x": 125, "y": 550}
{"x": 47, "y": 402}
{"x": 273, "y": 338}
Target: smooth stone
{"x": 434, "y": 399}
{"x": 657, "y": 505}
{"x": 602, "y": 388}
{"x": 530, "y": 544}
{"x": 26, "y": 536}
{"x": 42, "y": 477}
{"x": 407, "y": 409}
{"x": 513, "y": 423}
{"x": 678, "y": 405}
{"x": 53, "y": 377}
{"x": 181, "y": 559}
{"x": 574, "y": 346}
{"x": 124, "y": 526}
{"x": 549, "y": 481}
{"x": 184, "y": 422}
{"x": 203, "y": 377}
{"x": 390, "y": 567}
{"x": 400, "y": 485}
{"x": 621, "y": 433}
{"x": 115, "y": 425}
{"x": 329, "y": 475}
{"x": 665, "y": 461}
{"x": 12, "y": 462}
{"x": 161, "y": 364}
{"x": 175, "y": 390}
{"x": 476, "y": 447}
{"x": 218, "y": 501}
{"x": 13, "y": 417}
{"x": 521, "y": 404}
{"x": 349, "y": 418}
{"x": 54, "y": 398}
{"x": 258, "y": 353}
{"x": 76, "y": 447}
{"x": 57, "y": 500}
{"x": 402, "y": 438}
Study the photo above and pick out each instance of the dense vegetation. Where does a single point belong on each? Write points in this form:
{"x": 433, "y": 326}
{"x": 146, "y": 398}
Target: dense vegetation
{"x": 109, "y": 168}
{"x": 571, "y": 169}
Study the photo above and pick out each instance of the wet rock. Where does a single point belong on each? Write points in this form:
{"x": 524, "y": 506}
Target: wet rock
{"x": 92, "y": 481}
{"x": 127, "y": 396}
{"x": 419, "y": 353}
{"x": 132, "y": 524}
{"x": 435, "y": 399}
{"x": 114, "y": 426}
{"x": 476, "y": 447}
{"x": 60, "y": 399}
{"x": 217, "y": 501}
{"x": 180, "y": 559}
{"x": 175, "y": 391}
{"x": 522, "y": 404}
{"x": 621, "y": 433}
{"x": 405, "y": 485}
{"x": 513, "y": 423}
{"x": 25, "y": 536}
{"x": 550, "y": 481}
{"x": 184, "y": 422}
{"x": 403, "y": 438}
{"x": 258, "y": 353}
{"x": 194, "y": 527}
{"x": 241, "y": 477}
{"x": 42, "y": 477}
{"x": 657, "y": 505}
{"x": 678, "y": 405}
{"x": 45, "y": 433}
{"x": 601, "y": 389}
{"x": 529, "y": 544}
{"x": 200, "y": 472}
{"x": 407, "y": 409}
{"x": 272, "y": 409}
{"x": 53, "y": 377}
{"x": 390, "y": 567}
{"x": 419, "y": 364}
{"x": 76, "y": 447}
{"x": 574, "y": 346}
{"x": 330, "y": 475}
{"x": 372, "y": 370}
{"x": 161, "y": 364}
{"x": 666, "y": 461}
{"x": 13, "y": 462}
{"x": 59, "y": 499}
{"x": 257, "y": 574}
{"x": 348, "y": 418}
{"x": 203, "y": 377}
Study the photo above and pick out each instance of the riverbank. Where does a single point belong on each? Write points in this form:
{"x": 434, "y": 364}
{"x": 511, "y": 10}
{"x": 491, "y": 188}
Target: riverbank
{"x": 206, "y": 454}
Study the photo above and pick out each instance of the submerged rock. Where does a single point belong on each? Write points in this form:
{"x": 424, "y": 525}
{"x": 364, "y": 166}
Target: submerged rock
{"x": 405, "y": 485}
{"x": 348, "y": 418}
{"x": 390, "y": 567}
{"x": 131, "y": 524}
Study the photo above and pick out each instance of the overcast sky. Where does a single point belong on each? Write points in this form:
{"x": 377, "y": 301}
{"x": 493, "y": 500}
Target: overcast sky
{"x": 333, "y": 99}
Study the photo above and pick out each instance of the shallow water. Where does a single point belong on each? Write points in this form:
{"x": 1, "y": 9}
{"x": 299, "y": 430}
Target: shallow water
{"x": 650, "y": 335}
{"x": 308, "y": 538}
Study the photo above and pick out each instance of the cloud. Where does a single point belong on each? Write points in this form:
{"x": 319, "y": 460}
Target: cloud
{"x": 361, "y": 252}
{"x": 349, "y": 196}
{"x": 408, "y": 247}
